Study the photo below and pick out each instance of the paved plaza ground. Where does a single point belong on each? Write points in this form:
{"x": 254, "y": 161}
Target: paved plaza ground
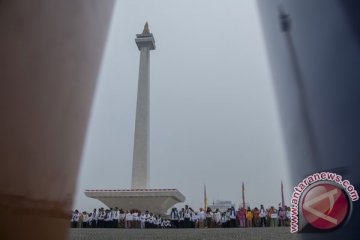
{"x": 281, "y": 233}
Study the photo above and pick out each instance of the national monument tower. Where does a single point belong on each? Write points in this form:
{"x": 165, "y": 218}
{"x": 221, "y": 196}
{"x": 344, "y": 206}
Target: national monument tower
{"x": 140, "y": 196}
{"x": 140, "y": 170}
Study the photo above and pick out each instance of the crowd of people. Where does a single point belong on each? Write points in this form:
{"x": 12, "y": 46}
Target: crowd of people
{"x": 182, "y": 218}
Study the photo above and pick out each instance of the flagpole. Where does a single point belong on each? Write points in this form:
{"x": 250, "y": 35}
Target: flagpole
{"x": 243, "y": 194}
{"x": 205, "y": 198}
{"x": 282, "y": 194}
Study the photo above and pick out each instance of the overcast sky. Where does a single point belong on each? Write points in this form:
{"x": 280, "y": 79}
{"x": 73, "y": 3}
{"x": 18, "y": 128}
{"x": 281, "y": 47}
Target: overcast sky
{"x": 213, "y": 113}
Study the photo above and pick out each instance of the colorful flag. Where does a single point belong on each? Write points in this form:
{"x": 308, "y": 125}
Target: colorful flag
{"x": 243, "y": 194}
{"x": 282, "y": 195}
{"x": 205, "y": 198}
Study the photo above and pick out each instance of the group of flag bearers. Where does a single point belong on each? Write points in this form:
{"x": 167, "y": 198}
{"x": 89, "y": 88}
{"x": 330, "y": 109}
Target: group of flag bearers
{"x": 185, "y": 217}
{"x": 117, "y": 218}
{"x": 257, "y": 217}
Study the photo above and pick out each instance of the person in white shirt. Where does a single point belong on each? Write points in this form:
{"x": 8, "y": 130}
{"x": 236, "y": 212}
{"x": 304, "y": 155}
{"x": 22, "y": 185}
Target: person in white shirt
{"x": 187, "y": 216}
{"x": 201, "y": 218}
{"x": 90, "y": 219}
{"x": 288, "y": 216}
{"x": 75, "y": 219}
{"x": 181, "y": 218}
{"x": 115, "y": 218}
{"x": 152, "y": 221}
{"x": 167, "y": 224}
{"x": 194, "y": 220}
{"x": 94, "y": 219}
{"x": 85, "y": 220}
{"x": 223, "y": 219}
{"x": 135, "y": 222}
{"x": 232, "y": 215}
{"x": 108, "y": 218}
{"x": 142, "y": 220}
{"x": 162, "y": 224}
{"x": 128, "y": 219}
{"x": 159, "y": 220}
{"x": 217, "y": 217}
{"x": 174, "y": 216}
{"x": 101, "y": 217}
{"x": 147, "y": 219}
{"x": 262, "y": 215}
{"x": 227, "y": 215}
{"x": 122, "y": 215}
{"x": 209, "y": 215}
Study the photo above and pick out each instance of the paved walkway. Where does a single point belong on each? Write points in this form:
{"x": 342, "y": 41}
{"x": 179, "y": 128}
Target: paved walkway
{"x": 281, "y": 233}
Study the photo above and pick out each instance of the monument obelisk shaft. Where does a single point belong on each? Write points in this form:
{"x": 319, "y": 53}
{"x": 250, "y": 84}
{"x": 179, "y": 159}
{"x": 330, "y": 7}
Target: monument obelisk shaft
{"x": 157, "y": 201}
{"x": 141, "y": 155}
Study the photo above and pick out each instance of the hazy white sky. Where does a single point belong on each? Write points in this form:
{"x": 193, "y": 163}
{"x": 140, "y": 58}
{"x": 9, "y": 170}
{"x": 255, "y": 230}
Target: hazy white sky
{"x": 214, "y": 118}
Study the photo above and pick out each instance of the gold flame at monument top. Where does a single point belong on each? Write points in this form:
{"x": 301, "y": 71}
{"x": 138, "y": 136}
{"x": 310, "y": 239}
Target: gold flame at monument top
{"x": 146, "y": 28}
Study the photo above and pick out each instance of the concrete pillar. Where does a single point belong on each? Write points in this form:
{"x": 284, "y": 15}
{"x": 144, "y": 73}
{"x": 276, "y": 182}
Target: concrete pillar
{"x": 50, "y": 52}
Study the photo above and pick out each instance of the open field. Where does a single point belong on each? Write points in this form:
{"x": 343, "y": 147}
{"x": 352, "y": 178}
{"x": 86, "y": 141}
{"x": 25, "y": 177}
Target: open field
{"x": 194, "y": 234}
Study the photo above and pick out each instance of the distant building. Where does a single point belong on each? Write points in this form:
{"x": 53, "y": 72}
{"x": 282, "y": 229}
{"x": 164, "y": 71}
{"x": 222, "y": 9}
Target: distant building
{"x": 221, "y": 205}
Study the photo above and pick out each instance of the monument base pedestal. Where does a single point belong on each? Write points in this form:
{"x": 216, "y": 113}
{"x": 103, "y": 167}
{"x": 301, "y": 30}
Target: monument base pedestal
{"x": 156, "y": 201}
